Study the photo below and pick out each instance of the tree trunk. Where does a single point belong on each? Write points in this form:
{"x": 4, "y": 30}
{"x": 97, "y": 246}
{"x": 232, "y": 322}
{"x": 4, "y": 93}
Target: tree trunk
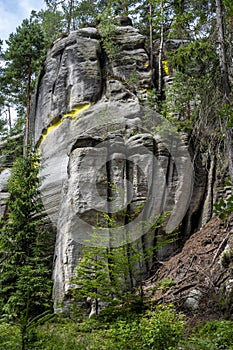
{"x": 9, "y": 117}
{"x": 222, "y": 52}
{"x": 160, "y": 58}
{"x": 151, "y": 36}
{"x": 125, "y": 8}
{"x": 28, "y": 108}
{"x": 224, "y": 81}
{"x": 70, "y": 15}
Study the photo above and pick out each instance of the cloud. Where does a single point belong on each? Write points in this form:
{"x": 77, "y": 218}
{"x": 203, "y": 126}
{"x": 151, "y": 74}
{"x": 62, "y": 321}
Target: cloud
{"x": 13, "y": 12}
{"x": 28, "y": 5}
{"x": 8, "y": 21}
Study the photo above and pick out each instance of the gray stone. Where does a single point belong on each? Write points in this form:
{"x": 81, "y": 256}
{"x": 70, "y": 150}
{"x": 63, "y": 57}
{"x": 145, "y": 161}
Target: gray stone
{"x": 4, "y": 177}
{"x": 92, "y": 130}
{"x": 193, "y": 299}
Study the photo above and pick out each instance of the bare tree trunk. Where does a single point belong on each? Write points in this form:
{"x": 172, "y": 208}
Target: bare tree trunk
{"x": 28, "y": 109}
{"x": 9, "y": 117}
{"x": 225, "y": 81}
{"x": 151, "y": 36}
{"x": 125, "y": 8}
{"x": 69, "y": 10}
{"x": 160, "y": 58}
{"x": 222, "y": 52}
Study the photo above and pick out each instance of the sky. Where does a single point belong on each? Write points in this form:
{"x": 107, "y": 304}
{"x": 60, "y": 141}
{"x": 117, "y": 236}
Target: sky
{"x": 13, "y": 12}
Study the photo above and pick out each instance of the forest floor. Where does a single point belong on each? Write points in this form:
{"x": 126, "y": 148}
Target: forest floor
{"x": 199, "y": 279}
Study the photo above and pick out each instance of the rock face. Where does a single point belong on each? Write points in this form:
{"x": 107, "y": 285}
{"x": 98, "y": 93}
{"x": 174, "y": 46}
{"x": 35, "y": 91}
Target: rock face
{"x": 105, "y": 151}
{"x": 6, "y": 160}
{"x": 4, "y": 176}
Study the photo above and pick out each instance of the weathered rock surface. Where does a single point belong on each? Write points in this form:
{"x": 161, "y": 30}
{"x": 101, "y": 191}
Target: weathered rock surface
{"x": 6, "y": 160}
{"x": 98, "y": 141}
{"x": 4, "y": 176}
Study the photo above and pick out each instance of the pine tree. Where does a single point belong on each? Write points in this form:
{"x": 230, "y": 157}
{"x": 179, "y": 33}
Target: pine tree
{"x": 103, "y": 275}
{"x": 52, "y": 24}
{"x": 23, "y": 58}
{"x": 113, "y": 276}
{"x": 25, "y": 246}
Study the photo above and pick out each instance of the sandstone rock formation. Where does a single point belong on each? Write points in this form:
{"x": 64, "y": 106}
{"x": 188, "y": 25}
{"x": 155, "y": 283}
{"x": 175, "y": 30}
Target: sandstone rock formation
{"x": 4, "y": 176}
{"x": 105, "y": 151}
{"x": 6, "y": 159}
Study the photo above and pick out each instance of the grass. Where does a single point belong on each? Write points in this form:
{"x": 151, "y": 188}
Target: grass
{"x": 158, "y": 329}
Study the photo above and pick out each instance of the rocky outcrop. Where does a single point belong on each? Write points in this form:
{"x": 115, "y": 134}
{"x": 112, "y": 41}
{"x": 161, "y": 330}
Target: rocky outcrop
{"x": 4, "y": 176}
{"x": 104, "y": 151}
{"x": 8, "y": 153}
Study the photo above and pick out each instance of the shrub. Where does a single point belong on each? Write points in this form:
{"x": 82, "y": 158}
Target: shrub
{"x": 160, "y": 329}
{"x": 213, "y": 335}
{"x": 10, "y": 338}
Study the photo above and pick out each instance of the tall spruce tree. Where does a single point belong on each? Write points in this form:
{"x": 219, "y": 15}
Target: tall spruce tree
{"x": 25, "y": 246}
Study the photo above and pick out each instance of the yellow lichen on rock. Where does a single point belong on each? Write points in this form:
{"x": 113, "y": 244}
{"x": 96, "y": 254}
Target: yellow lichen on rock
{"x": 73, "y": 114}
{"x": 50, "y": 128}
{"x": 58, "y": 121}
{"x": 165, "y": 67}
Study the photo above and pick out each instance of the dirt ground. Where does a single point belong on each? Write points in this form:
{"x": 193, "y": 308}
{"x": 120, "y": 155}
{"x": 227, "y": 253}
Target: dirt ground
{"x": 199, "y": 279}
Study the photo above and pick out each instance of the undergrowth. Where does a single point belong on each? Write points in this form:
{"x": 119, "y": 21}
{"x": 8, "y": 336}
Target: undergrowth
{"x": 160, "y": 328}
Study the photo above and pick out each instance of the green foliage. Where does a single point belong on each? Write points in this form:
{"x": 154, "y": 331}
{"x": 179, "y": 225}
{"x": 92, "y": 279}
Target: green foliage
{"x": 87, "y": 12}
{"x": 227, "y": 258}
{"x": 213, "y": 335}
{"x": 52, "y": 24}
{"x": 92, "y": 275}
{"x": 181, "y": 101}
{"x": 160, "y": 329}
{"x": 188, "y": 108}
{"x": 114, "y": 276}
{"x": 25, "y": 279}
{"x": 12, "y": 149}
{"x": 153, "y": 100}
{"x": 194, "y": 58}
{"x": 23, "y": 60}
{"x": 107, "y": 28}
{"x": 25, "y": 249}
{"x": 105, "y": 275}
{"x": 71, "y": 336}
{"x": 224, "y": 207}
{"x": 226, "y": 115}
{"x": 72, "y": 14}
{"x": 165, "y": 283}
{"x": 9, "y": 337}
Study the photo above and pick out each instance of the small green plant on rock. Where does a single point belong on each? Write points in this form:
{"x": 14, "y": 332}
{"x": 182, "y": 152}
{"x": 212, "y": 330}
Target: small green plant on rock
{"x": 107, "y": 29}
{"x": 227, "y": 258}
{"x": 224, "y": 207}
{"x": 165, "y": 283}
